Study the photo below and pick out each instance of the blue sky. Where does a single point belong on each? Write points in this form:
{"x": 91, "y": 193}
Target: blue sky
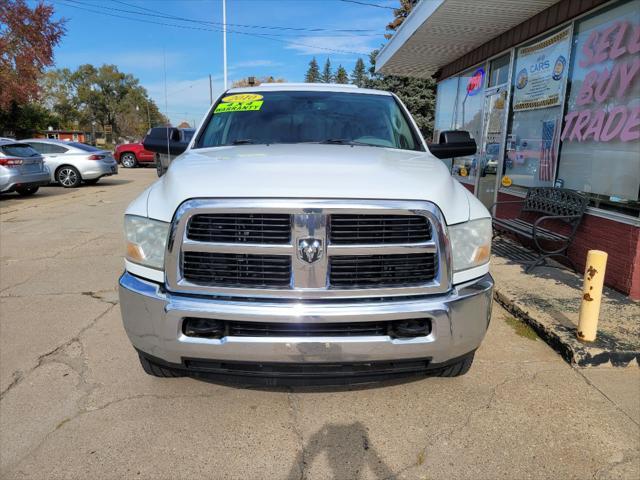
{"x": 97, "y": 34}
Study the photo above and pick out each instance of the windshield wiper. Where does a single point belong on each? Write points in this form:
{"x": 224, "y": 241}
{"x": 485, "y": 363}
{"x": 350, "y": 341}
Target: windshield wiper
{"x": 242, "y": 141}
{"x": 344, "y": 141}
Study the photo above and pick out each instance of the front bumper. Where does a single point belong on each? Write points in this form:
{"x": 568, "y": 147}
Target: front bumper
{"x": 12, "y": 180}
{"x": 153, "y": 320}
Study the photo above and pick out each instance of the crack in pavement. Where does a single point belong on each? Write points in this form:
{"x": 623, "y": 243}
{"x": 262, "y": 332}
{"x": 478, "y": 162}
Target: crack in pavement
{"x": 294, "y": 411}
{"x": 42, "y": 359}
{"x": 616, "y": 406}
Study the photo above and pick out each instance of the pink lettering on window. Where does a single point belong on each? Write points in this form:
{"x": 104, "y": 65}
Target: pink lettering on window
{"x": 585, "y": 94}
{"x": 617, "y": 48}
{"x": 595, "y": 126}
{"x": 633, "y": 46}
{"x": 612, "y": 129}
{"x": 631, "y": 130}
{"x": 627, "y": 72}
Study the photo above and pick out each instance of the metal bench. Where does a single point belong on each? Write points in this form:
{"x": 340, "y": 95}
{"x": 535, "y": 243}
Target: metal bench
{"x": 553, "y": 205}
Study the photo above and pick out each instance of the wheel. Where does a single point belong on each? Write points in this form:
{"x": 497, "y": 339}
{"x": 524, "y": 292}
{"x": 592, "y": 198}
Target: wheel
{"x": 92, "y": 181}
{"x": 128, "y": 160}
{"x": 159, "y": 169}
{"x": 68, "y": 176}
{"x": 156, "y": 370}
{"x": 457, "y": 369}
{"x": 28, "y": 190}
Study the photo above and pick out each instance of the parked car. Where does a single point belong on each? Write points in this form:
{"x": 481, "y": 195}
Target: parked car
{"x": 22, "y": 169}
{"x": 71, "y": 163}
{"x": 307, "y": 232}
{"x": 158, "y": 137}
{"x": 131, "y": 155}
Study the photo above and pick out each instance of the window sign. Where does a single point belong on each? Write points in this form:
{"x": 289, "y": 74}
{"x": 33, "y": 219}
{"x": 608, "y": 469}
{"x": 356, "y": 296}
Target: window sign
{"x": 475, "y": 83}
{"x": 601, "y": 133}
{"x": 541, "y": 69}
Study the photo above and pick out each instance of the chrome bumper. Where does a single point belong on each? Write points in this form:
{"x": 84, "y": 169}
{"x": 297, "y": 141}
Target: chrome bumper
{"x": 153, "y": 320}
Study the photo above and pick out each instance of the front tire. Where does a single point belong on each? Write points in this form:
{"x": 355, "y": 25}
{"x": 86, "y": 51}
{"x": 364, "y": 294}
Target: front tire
{"x": 68, "y": 176}
{"x": 154, "y": 370}
{"x": 128, "y": 160}
{"x": 457, "y": 369}
{"x": 27, "y": 191}
{"x": 159, "y": 168}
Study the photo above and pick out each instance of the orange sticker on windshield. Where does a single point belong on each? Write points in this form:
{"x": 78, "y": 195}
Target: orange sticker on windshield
{"x": 242, "y": 97}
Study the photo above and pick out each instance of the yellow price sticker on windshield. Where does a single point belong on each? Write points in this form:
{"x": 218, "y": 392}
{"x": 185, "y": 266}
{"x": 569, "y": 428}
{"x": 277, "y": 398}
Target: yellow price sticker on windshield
{"x": 242, "y": 98}
{"x": 238, "y": 107}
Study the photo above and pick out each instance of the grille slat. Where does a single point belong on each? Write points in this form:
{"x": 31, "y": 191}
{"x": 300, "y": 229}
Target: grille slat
{"x": 374, "y": 229}
{"x": 371, "y": 271}
{"x": 237, "y": 270}
{"x": 240, "y": 228}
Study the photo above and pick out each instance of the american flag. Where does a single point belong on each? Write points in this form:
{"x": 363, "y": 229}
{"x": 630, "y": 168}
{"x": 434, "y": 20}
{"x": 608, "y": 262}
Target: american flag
{"x": 547, "y": 150}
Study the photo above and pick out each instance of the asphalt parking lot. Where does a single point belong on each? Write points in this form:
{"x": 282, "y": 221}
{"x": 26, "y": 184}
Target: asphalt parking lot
{"x": 76, "y": 404}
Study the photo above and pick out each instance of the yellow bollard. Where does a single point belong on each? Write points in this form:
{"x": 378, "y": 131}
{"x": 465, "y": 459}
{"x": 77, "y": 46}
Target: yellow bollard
{"x": 591, "y": 295}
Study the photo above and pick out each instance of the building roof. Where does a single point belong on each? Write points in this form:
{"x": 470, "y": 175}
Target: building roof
{"x": 437, "y": 32}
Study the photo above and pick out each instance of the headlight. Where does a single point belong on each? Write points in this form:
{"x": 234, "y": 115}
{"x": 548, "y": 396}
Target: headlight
{"x": 146, "y": 240}
{"x": 470, "y": 243}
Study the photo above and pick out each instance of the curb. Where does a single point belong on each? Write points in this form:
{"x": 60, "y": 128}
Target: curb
{"x": 562, "y": 339}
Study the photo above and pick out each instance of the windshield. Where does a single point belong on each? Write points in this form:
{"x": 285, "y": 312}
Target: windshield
{"x": 309, "y": 117}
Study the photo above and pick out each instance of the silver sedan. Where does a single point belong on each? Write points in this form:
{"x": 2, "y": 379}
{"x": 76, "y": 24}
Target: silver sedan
{"x": 71, "y": 163}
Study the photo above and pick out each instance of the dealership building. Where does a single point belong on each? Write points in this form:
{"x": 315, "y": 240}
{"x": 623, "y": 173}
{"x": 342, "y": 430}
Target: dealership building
{"x": 550, "y": 91}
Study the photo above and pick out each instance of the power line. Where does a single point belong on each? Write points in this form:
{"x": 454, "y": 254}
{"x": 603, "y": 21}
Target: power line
{"x": 155, "y": 13}
{"x": 210, "y": 29}
{"x": 368, "y": 4}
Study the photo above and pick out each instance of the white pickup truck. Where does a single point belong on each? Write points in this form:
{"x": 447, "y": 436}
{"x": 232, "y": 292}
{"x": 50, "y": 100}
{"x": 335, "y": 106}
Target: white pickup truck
{"x": 307, "y": 234}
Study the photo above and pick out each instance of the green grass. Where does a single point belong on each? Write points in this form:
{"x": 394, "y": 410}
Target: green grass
{"x": 521, "y": 328}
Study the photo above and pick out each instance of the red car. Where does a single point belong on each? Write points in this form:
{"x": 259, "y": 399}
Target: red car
{"x": 131, "y": 155}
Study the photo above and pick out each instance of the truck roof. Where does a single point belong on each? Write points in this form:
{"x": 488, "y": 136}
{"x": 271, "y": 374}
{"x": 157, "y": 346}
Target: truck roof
{"x": 308, "y": 87}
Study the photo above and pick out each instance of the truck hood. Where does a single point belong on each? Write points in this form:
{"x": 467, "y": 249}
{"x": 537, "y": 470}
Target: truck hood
{"x": 308, "y": 171}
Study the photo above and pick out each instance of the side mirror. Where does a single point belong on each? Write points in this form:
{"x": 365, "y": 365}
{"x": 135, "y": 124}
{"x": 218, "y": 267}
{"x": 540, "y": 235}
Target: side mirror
{"x": 164, "y": 140}
{"x": 454, "y": 143}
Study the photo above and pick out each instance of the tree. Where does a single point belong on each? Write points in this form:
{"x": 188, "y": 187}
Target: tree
{"x": 313, "y": 73}
{"x": 102, "y": 95}
{"x": 418, "y": 94}
{"x": 400, "y": 15}
{"x": 359, "y": 74}
{"x": 341, "y": 75}
{"x": 327, "y": 75}
{"x": 27, "y": 39}
{"x": 244, "y": 82}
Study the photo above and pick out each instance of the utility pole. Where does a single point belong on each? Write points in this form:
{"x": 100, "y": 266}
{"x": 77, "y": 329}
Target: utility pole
{"x": 224, "y": 40}
{"x": 210, "y": 91}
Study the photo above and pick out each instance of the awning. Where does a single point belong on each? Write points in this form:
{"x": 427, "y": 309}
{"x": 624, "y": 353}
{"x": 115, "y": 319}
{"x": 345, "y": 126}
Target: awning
{"x": 437, "y": 32}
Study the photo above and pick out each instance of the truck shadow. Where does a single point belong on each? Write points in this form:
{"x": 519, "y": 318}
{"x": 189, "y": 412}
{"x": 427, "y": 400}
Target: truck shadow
{"x": 347, "y": 449}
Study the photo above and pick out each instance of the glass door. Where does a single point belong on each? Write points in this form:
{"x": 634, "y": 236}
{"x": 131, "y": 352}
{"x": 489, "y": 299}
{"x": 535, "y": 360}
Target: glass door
{"x": 491, "y": 150}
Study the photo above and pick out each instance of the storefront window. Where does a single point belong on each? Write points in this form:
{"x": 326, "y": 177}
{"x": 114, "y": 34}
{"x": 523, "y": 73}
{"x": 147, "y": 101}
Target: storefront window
{"x": 445, "y": 106}
{"x": 537, "y": 94}
{"x": 601, "y": 135}
{"x": 468, "y": 116}
{"x": 499, "y": 70}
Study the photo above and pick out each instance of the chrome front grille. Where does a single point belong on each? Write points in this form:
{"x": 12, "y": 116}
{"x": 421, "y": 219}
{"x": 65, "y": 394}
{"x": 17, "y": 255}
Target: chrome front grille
{"x": 240, "y": 228}
{"x": 372, "y": 229}
{"x": 236, "y": 270}
{"x": 307, "y": 249}
{"x": 371, "y": 271}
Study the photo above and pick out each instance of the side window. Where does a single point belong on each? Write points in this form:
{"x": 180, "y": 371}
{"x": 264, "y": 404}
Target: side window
{"x": 57, "y": 149}
{"x": 39, "y": 147}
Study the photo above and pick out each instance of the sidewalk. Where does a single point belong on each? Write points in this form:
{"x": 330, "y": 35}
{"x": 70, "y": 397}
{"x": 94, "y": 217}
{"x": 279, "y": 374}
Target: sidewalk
{"x": 548, "y": 299}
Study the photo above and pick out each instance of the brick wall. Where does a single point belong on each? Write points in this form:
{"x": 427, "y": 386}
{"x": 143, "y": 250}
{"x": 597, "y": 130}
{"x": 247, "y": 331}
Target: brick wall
{"x": 619, "y": 240}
